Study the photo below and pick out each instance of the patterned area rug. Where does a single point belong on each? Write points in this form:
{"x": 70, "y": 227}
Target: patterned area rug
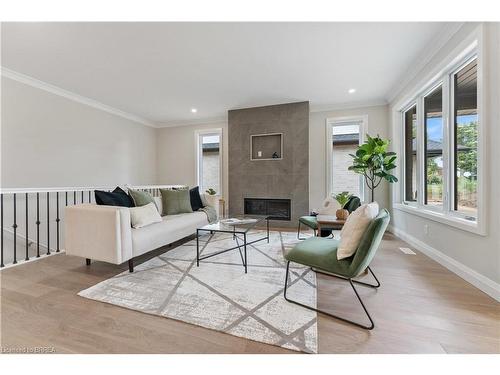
{"x": 219, "y": 295}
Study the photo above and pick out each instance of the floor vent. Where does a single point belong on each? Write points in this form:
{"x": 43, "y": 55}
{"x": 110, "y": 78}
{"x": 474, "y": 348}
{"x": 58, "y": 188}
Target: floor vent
{"x": 407, "y": 251}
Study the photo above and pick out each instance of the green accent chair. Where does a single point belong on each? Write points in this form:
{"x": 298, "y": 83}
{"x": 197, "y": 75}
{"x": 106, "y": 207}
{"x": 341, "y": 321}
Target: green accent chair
{"x": 311, "y": 222}
{"x": 321, "y": 255}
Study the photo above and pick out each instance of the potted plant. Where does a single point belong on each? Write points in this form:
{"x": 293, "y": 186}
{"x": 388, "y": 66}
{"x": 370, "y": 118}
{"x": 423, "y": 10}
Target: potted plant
{"x": 342, "y": 198}
{"x": 374, "y": 162}
{"x": 211, "y": 196}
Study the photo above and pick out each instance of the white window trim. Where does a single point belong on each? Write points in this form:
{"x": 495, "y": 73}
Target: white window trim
{"x": 363, "y": 129}
{"x": 198, "y": 163}
{"x": 403, "y": 161}
{"x": 464, "y": 52}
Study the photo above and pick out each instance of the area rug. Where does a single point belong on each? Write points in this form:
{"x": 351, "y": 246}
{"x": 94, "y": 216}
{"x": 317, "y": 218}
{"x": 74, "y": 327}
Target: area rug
{"x": 219, "y": 295}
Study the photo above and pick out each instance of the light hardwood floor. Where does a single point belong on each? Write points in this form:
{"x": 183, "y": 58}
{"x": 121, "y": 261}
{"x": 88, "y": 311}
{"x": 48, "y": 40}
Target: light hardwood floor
{"x": 421, "y": 307}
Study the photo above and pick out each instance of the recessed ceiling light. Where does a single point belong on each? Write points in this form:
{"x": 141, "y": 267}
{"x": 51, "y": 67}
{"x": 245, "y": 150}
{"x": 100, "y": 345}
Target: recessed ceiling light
{"x": 351, "y": 91}
{"x": 194, "y": 110}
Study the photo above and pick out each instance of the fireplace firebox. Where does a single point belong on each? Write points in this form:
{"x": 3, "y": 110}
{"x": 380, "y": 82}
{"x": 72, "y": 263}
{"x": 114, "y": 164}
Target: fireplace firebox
{"x": 276, "y": 209}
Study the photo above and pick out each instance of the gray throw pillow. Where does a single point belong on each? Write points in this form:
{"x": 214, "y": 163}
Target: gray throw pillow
{"x": 175, "y": 201}
{"x": 141, "y": 198}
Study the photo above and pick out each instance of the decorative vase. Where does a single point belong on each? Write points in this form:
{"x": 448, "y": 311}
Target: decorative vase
{"x": 212, "y": 200}
{"x": 342, "y": 214}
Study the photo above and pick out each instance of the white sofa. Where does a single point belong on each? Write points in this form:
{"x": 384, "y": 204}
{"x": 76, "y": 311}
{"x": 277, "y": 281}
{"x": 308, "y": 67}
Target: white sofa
{"x": 104, "y": 233}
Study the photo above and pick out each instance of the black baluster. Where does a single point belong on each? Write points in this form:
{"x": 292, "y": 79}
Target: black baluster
{"x": 48, "y": 225}
{"x": 66, "y": 194}
{"x": 1, "y": 228}
{"x": 15, "y": 231}
{"x": 27, "y": 232}
{"x": 74, "y": 197}
{"x": 57, "y": 221}
{"x": 37, "y": 225}
{"x": 82, "y": 196}
{"x": 90, "y": 197}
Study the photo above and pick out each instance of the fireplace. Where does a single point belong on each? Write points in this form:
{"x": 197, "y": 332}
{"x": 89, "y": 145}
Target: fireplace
{"x": 276, "y": 209}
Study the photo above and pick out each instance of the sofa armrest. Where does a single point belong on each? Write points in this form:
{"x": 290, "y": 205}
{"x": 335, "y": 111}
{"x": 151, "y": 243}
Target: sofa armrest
{"x": 98, "y": 232}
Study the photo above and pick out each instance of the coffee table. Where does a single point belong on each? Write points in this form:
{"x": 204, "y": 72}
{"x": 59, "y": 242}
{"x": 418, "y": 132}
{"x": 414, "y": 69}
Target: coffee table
{"x": 240, "y": 227}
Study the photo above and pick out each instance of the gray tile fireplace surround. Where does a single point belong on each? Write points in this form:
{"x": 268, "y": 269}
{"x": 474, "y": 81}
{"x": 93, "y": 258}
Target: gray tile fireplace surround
{"x": 287, "y": 178}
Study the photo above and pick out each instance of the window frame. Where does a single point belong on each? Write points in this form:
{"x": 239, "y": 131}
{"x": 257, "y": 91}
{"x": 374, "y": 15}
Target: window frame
{"x": 362, "y": 120}
{"x": 403, "y": 164}
{"x": 198, "y": 134}
{"x": 470, "y": 49}
{"x": 440, "y": 83}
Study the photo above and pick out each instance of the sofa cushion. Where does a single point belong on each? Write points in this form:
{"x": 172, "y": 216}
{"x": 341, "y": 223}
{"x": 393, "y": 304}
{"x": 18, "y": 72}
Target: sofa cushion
{"x": 354, "y": 228}
{"x": 195, "y": 198}
{"x": 117, "y": 197}
{"x": 140, "y": 198}
{"x": 158, "y": 204}
{"x": 170, "y": 229}
{"x": 144, "y": 215}
{"x": 175, "y": 201}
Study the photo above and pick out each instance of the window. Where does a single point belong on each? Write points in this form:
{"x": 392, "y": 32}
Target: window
{"x": 465, "y": 139}
{"x": 343, "y": 138}
{"x": 433, "y": 147}
{"x": 441, "y": 129}
{"x": 209, "y": 160}
{"x": 410, "y": 167}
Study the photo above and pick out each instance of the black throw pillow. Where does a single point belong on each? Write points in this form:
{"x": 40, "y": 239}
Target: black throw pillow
{"x": 117, "y": 197}
{"x": 124, "y": 197}
{"x": 194, "y": 196}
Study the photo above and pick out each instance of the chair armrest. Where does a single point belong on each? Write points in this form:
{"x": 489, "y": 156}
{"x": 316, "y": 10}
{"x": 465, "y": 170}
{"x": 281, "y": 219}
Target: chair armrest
{"x": 98, "y": 232}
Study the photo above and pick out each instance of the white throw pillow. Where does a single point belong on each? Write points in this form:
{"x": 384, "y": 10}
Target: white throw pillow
{"x": 330, "y": 207}
{"x": 144, "y": 215}
{"x": 354, "y": 228}
{"x": 159, "y": 204}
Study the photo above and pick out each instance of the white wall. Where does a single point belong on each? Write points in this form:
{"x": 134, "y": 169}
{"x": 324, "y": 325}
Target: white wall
{"x": 176, "y": 154}
{"x": 51, "y": 141}
{"x": 468, "y": 253}
{"x": 378, "y": 123}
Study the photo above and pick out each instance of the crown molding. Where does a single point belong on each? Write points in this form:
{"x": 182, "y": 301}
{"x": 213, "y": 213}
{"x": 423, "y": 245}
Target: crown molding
{"x": 426, "y": 55}
{"x": 312, "y": 109}
{"x": 27, "y": 80}
{"x": 351, "y": 105}
{"x": 201, "y": 121}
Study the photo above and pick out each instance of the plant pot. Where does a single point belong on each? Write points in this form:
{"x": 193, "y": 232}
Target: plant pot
{"x": 212, "y": 200}
{"x": 342, "y": 214}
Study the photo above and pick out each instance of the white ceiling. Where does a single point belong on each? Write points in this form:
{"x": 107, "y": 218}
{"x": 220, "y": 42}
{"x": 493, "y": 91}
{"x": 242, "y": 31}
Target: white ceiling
{"x": 159, "y": 71}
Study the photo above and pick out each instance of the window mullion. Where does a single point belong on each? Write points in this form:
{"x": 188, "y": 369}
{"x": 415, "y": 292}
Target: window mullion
{"x": 447, "y": 168}
{"x": 420, "y": 152}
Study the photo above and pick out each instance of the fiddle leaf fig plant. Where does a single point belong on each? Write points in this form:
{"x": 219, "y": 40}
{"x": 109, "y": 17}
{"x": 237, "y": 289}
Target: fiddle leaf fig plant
{"x": 374, "y": 162}
{"x": 342, "y": 198}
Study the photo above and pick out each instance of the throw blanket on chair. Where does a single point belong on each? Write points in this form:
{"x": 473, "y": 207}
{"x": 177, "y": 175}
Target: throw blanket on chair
{"x": 211, "y": 213}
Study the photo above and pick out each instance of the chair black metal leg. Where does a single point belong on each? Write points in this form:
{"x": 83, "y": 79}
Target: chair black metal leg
{"x": 298, "y": 233}
{"x": 87, "y": 261}
{"x": 369, "y": 327}
{"x": 354, "y": 281}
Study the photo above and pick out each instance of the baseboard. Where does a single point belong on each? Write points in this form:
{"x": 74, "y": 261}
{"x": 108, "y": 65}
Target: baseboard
{"x": 22, "y": 237}
{"x": 481, "y": 282}
{"x": 32, "y": 259}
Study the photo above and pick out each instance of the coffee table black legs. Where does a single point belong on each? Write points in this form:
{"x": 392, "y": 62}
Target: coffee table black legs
{"x": 267, "y": 222}
{"x": 245, "y": 249}
{"x": 197, "y": 248}
{"x": 237, "y": 236}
